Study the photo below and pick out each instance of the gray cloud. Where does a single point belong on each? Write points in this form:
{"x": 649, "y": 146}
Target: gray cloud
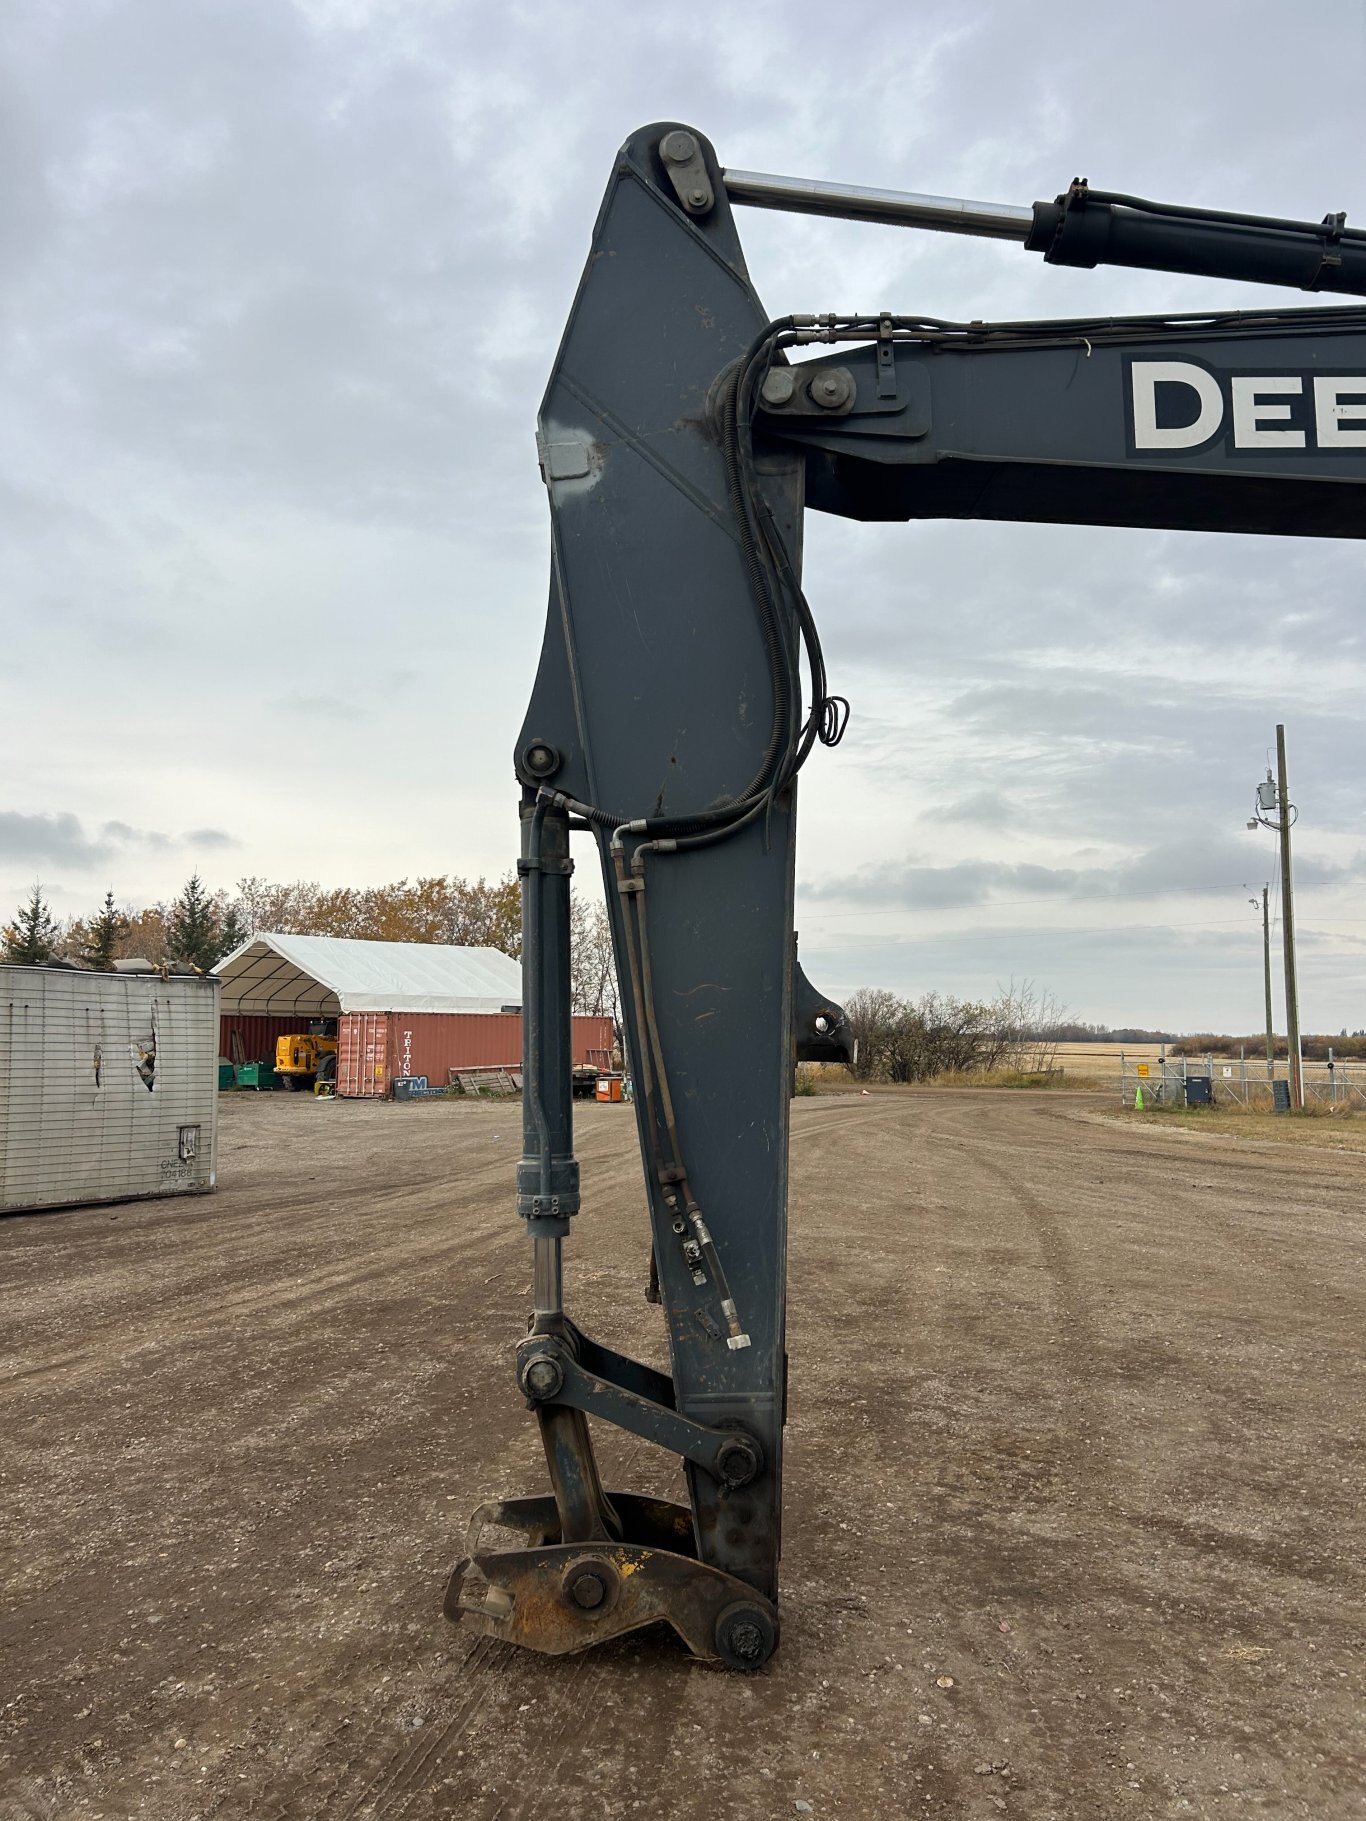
{"x": 147, "y": 838}
{"x": 1195, "y": 863}
{"x": 61, "y": 839}
{"x": 1143, "y": 973}
{"x": 332, "y": 707}
{"x": 982, "y": 808}
{"x": 48, "y": 840}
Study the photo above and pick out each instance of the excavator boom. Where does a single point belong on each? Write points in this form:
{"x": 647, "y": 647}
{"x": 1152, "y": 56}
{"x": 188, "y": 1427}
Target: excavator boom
{"x": 681, "y": 688}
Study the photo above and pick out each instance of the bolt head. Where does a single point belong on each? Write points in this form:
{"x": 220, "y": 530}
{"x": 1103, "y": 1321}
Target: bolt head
{"x": 746, "y": 1640}
{"x": 832, "y": 388}
{"x": 678, "y": 148}
{"x": 587, "y": 1590}
{"x": 737, "y": 1463}
{"x": 778, "y": 387}
{"x": 698, "y": 198}
{"x": 745, "y": 1636}
{"x": 540, "y": 759}
{"x": 543, "y": 1377}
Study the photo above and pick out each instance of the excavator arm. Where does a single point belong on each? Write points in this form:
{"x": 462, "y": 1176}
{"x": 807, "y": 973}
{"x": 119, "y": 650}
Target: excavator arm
{"x": 681, "y": 687}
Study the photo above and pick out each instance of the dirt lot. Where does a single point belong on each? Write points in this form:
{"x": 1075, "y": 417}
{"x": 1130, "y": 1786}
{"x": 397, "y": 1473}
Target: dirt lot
{"x": 1075, "y": 1421}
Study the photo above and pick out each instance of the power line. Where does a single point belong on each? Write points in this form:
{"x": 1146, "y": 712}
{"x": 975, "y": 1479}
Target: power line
{"x": 1169, "y": 891}
{"x": 1053, "y": 929}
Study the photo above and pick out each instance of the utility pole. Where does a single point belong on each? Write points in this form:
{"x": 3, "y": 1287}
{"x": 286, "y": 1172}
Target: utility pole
{"x": 1274, "y": 794}
{"x": 1266, "y": 971}
{"x": 1292, "y": 991}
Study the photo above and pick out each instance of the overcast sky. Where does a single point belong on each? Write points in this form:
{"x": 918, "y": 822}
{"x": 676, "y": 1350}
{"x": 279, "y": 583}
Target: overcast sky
{"x": 280, "y": 287}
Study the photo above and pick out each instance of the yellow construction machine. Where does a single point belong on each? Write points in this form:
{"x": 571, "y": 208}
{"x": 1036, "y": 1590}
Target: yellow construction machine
{"x": 303, "y": 1058}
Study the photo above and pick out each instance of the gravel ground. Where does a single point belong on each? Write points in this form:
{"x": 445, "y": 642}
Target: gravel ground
{"x": 1074, "y": 1522}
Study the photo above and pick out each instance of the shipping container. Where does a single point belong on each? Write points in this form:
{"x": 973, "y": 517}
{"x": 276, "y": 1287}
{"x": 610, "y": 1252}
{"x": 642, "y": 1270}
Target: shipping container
{"x": 362, "y": 1055}
{"x": 255, "y": 1035}
{"x": 108, "y": 1086}
{"x": 375, "y": 1049}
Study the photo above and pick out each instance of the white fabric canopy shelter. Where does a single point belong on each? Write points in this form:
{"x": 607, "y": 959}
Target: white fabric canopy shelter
{"x": 324, "y": 976}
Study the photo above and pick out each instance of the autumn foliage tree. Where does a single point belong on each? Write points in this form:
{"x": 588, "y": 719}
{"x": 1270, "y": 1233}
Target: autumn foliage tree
{"x": 444, "y": 909}
{"x": 201, "y": 926}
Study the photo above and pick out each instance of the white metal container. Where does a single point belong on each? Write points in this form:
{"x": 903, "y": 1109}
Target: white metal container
{"x": 108, "y": 1086}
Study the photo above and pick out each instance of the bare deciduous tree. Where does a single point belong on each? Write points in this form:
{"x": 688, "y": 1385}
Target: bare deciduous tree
{"x": 914, "y": 1040}
{"x": 592, "y": 964}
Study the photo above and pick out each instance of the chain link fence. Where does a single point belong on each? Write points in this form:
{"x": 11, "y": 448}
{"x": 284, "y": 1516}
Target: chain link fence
{"x": 1241, "y": 1081}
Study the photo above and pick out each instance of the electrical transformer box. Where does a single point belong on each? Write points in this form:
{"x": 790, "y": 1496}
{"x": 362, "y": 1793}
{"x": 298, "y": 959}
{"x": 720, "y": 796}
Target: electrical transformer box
{"x": 108, "y": 1086}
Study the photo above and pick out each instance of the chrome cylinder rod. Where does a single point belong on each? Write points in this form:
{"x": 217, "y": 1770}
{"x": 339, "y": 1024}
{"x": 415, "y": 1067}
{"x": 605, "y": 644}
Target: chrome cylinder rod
{"x": 949, "y": 215}
{"x": 547, "y": 1277}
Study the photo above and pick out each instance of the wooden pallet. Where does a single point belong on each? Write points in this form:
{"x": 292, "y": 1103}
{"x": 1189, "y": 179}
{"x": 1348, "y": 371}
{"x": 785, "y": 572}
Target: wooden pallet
{"x": 487, "y": 1082}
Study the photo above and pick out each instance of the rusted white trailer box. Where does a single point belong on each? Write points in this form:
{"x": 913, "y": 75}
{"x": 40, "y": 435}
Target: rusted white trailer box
{"x": 108, "y": 1086}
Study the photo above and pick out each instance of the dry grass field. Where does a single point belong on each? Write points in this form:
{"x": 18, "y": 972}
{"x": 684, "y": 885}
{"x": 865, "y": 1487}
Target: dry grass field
{"x": 1338, "y": 1129}
{"x": 1102, "y": 1060}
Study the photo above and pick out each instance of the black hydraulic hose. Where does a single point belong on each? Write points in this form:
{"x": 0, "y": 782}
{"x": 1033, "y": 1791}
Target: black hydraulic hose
{"x": 825, "y": 722}
{"x": 774, "y": 644}
{"x": 627, "y": 890}
{"x": 648, "y": 1003}
{"x": 766, "y": 561}
{"x": 742, "y": 487}
{"x": 736, "y": 1335}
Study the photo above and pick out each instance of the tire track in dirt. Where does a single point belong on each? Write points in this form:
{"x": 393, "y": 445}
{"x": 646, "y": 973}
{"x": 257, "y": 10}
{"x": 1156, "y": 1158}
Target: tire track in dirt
{"x": 356, "y": 1787}
{"x": 1256, "y": 1272}
{"x": 1254, "y": 1203}
{"x": 268, "y": 1303}
{"x": 571, "y": 1684}
{"x": 1073, "y": 1309}
{"x": 311, "y": 1229}
{"x": 383, "y": 1770}
{"x": 935, "y": 1487}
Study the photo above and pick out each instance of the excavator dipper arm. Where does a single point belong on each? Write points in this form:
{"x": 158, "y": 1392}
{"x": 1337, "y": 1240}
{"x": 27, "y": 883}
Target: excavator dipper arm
{"x": 681, "y": 687}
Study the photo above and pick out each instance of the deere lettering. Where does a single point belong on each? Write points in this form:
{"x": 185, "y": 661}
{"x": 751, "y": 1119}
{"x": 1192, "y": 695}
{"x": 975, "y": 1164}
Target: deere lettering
{"x": 1176, "y": 405}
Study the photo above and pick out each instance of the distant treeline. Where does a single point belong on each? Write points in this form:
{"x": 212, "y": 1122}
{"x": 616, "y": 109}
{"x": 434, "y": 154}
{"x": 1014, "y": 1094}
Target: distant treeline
{"x": 202, "y": 925}
{"x": 1315, "y": 1048}
{"x": 1101, "y": 1033}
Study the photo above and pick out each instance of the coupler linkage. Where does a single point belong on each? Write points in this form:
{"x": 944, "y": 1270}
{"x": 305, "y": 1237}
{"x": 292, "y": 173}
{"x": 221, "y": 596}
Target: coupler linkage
{"x": 594, "y": 1564}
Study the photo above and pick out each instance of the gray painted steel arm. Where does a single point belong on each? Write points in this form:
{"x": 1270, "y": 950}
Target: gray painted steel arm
{"x": 1246, "y": 424}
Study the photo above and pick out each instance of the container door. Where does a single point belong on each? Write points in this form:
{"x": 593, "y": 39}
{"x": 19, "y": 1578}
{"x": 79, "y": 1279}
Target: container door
{"x": 362, "y": 1055}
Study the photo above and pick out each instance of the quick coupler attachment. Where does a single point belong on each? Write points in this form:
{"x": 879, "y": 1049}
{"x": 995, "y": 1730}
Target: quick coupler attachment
{"x": 561, "y": 1597}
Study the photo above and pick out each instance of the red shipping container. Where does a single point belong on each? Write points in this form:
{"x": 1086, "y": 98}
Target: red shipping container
{"x": 375, "y": 1049}
{"x": 256, "y": 1034}
{"x": 363, "y": 1055}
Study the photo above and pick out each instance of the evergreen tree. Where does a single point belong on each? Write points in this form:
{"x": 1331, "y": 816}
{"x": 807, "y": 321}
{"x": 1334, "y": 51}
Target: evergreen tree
{"x": 32, "y": 938}
{"x": 232, "y": 932}
{"x": 103, "y": 936}
{"x": 193, "y": 933}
